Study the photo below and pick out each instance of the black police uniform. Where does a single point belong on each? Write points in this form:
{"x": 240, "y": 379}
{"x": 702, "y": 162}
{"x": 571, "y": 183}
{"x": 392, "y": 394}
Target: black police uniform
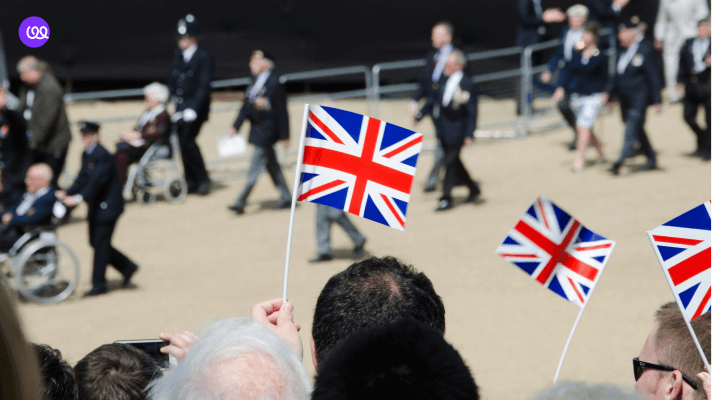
{"x": 637, "y": 87}
{"x": 189, "y": 84}
{"x": 15, "y": 156}
{"x": 99, "y": 185}
{"x": 697, "y": 93}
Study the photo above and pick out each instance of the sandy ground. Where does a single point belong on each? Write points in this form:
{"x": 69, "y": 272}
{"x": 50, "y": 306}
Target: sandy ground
{"x": 200, "y": 261}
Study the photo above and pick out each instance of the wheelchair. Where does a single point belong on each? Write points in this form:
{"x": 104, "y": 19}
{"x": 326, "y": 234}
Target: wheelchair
{"x": 40, "y": 267}
{"x": 159, "y": 167}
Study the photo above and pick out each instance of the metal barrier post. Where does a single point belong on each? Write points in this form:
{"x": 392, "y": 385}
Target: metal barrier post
{"x": 526, "y": 90}
{"x": 374, "y": 106}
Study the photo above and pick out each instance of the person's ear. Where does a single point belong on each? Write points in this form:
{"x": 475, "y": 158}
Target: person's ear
{"x": 312, "y": 347}
{"x": 672, "y": 386}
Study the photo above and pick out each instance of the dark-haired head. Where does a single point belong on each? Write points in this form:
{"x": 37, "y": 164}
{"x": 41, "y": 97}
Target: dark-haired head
{"x": 57, "y": 375}
{"x": 370, "y": 293}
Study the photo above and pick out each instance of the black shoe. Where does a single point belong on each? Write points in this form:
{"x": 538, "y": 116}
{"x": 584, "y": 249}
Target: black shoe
{"x": 321, "y": 258}
{"x": 572, "y": 145}
{"x": 95, "y": 292}
{"x": 282, "y": 205}
{"x": 473, "y": 198}
{"x": 444, "y": 205}
{"x": 128, "y": 275}
{"x": 696, "y": 153}
{"x": 239, "y": 210}
{"x": 650, "y": 165}
{"x": 429, "y": 189}
{"x": 358, "y": 251}
{"x": 204, "y": 188}
{"x": 615, "y": 169}
{"x": 705, "y": 156}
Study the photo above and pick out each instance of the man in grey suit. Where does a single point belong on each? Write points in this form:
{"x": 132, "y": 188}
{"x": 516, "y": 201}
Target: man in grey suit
{"x": 325, "y": 215}
{"x": 42, "y": 105}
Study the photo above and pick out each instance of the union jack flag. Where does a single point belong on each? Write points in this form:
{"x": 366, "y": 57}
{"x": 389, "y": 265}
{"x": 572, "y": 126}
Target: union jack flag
{"x": 557, "y": 251}
{"x": 683, "y": 249}
{"x": 358, "y": 164}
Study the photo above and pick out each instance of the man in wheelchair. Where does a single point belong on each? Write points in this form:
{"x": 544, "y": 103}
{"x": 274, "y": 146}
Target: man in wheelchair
{"x": 153, "y": 125}
{"x": 34, "y": 209}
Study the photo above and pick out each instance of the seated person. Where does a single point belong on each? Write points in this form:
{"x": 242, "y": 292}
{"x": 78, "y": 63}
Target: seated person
{"x": 153, "y": 125}
{"x": 35, "y": 208}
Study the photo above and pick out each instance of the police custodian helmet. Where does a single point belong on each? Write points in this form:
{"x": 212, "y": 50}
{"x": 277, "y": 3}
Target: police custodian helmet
{"x": 187, "y": 26}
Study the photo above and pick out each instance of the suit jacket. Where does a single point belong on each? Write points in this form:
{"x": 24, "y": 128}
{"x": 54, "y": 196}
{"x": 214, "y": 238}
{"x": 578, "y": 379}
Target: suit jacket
{"x": 677, "y": 20}
{"x": 458, "y": 120}
{"x": 15, "y": 155}
{"x": 269, "y": 123}
{"x": 528, "y": 31}
{"x": 589, "y": 78}
{"x": 189, "y": 82}
{"x": 686, "y": 73}
{"x": 98, "y": 183}
{"x": 425, "y": 83}
{"x": 601, "y": 11}
{"x": 49, "y": 126}
{"x": 40, "y": 213}
{"x": 641, "y": 78}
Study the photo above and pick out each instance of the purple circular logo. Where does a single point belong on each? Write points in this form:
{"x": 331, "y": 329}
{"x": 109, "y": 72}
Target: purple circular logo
{"x": 34, "y": 32}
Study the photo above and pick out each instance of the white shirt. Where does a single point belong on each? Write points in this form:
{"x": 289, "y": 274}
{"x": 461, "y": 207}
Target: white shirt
{"x": 188, "y": 53}
{"x": 29, "y": 199}
{"x": 443, "y": 54}
{"x": 572, "y": 37}
{"x": 30, "y": 101}
{"x": 453, "y": 82}
{"x": 628, "y": 55}
{"x": 259, "y": 83}
{"x": 677, "y": 21}
{"x": 149, "y": 116}
{"x": 699, "y": 49}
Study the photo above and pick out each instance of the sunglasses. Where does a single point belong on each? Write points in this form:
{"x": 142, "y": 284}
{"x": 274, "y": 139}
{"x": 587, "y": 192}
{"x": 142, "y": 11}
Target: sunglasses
{"x": 638, "y": 367}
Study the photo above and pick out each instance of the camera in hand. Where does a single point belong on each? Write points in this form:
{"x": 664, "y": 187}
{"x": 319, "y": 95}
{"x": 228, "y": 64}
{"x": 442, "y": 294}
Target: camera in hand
{"x": 152, "y": 347}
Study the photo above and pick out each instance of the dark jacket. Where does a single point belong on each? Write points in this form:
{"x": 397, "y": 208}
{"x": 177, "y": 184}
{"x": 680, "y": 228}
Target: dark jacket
{"x": 271, "y": 122}
{"x": 98, "y": 183}
{"x": 641, "y": 78}
{"x": 601, "y": 11}
{"x": 189, "y": 83}
{"x": 49, "y": 126}
{"x": 156, "y": 128}
{"x": 528, "y": 31}
{"x": 456, "y": 121}
{"x": 39, "y": 214}
{"x": 15, "y": 155}
{"x": 686, "y": 72}
{"x": 425, "y": 83}
{"x": 592, "y": 77}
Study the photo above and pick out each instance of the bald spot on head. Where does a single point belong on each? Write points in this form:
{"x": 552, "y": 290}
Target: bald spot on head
{"x": 249, "y": 376}
{"x": 38, "y": 176}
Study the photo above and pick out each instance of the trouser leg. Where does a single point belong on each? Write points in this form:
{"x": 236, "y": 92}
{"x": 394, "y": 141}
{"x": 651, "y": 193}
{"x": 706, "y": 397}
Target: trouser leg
{"x": 349, "y": 228}
{"x": 323, "y": 230}
{"x": 455, "y": 173}
{"x": 434, "y": 176}
{"x": 671, "y": 62}
{"x": 100, "y": 239}
{"x": 634, "y": 118}
{"x": 257, "y": 164}
{"x": 193, "y": 164}
{"x": 706, "y": 137}
{"x": 275, "y": 172}
{"x": 565, "y": 108}
{"x": 690, "y": 106}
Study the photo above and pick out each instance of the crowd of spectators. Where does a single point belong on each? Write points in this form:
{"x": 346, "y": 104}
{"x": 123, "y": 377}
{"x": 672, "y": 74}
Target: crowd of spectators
{"x": 378, "y": 332}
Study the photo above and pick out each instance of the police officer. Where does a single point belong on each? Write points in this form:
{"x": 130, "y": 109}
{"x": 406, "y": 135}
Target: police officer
{"x": 694, "y": 73}
{"x": 189, "y": 84}
{"x": 99, "y": 186}
{"x": 266, "y": 108}
{"x": 441, "y": 38}
{"x": 15, "y": 156}
{"x": 637, "y": 84}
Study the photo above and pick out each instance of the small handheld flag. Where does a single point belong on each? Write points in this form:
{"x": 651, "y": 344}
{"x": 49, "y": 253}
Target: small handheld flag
{"x": 682, "y": 246}
{"x": 358, "y": 164}
{"x": 559, "y": 253}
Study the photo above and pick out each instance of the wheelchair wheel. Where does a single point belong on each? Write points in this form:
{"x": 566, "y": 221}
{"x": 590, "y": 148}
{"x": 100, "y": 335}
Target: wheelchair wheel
{"x": 146, "y": 197}
{"x": 175, "y": 189}
{"x": 47, "y": 271}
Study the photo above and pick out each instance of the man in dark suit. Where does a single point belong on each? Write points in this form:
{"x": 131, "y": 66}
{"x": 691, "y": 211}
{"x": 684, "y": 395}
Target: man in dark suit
{"x": 441, "y": 39}
{"x": 34, "y": 209}
{"x": 98, "y": 185}
{"x": 457, "y": 99}
{"x": 42, "y": 105}
{"x": 15, "y": 154}
{"x": 189, "y": 84}
{"x": 637, "y": 85}
{"x": 532, "y": 30}
{"x": 694, "y": 74}
{"x": 266, "y": 108}
{"x": 607, "y": 13}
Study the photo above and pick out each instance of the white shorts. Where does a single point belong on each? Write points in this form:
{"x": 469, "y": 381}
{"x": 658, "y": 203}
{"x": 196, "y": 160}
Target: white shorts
{"x": 586, "y": 108}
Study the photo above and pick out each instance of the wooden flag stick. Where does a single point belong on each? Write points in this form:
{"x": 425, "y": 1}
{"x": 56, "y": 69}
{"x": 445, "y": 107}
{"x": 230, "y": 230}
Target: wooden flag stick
{"x": 295, "y": 190}
{"x": 568, "y": 341}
